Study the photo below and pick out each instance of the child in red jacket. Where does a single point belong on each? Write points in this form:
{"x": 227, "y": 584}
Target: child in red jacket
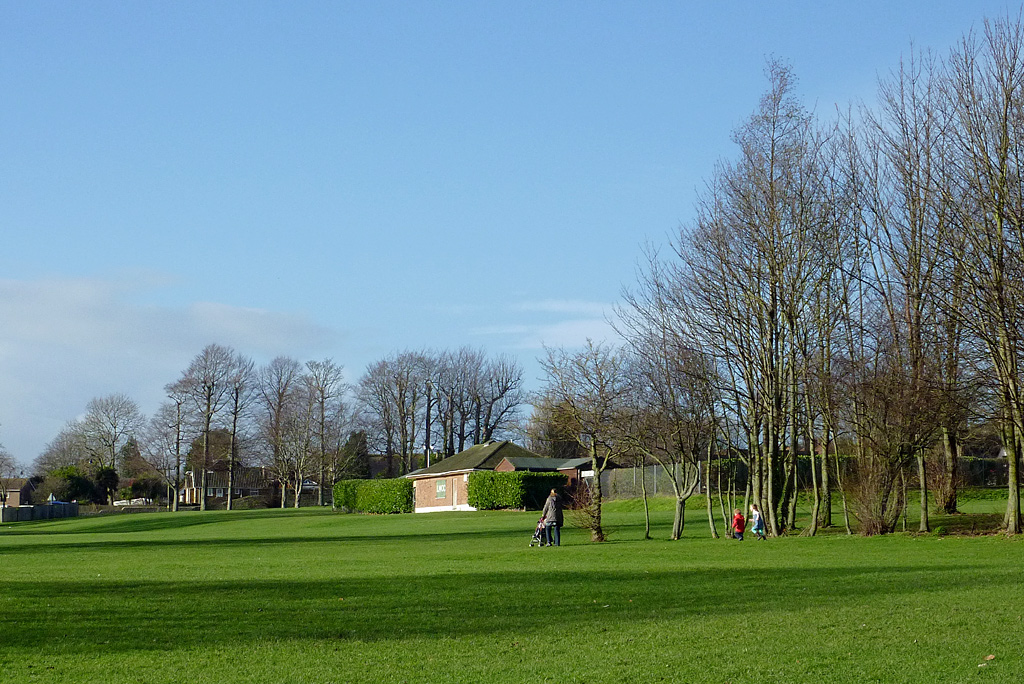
{"x": 738, "y": 525}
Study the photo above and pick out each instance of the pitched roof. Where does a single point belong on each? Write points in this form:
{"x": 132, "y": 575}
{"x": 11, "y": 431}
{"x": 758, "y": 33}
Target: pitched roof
{"x": 484, "y": 456}
{"x": 245, "y": 478}
{"x": 14, "y": 483}
{"x": 541, "y": 464}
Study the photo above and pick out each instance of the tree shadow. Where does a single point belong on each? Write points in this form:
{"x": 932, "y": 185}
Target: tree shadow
{"x": 128, "y": 523}
{"x": 50, "y": 546}
{"x": 128, "y": 616}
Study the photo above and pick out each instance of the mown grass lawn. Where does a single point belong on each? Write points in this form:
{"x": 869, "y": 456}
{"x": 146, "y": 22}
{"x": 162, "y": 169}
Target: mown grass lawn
{"x": 312, "y": 596}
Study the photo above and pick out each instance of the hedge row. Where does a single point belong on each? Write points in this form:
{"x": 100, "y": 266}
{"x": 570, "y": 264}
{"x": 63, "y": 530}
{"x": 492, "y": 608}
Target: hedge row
{"x": 374, "y": 496}
{"x": 490, "y": 490}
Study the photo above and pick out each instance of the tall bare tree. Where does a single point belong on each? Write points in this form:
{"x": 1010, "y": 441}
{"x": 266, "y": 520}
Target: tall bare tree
{"x": 168, "y": 433}
{"x": 241, "y": 393}
{"x": 910, "y": 218}
{"x": 109, "y": 422}
{"x": 591, "y": 387}
{"x": 325, "y": 384}
{"x": 985, "y": 97}
{"x": 207, "y": 382}
{"x": 279, "y": 386}
{"x": 673, "y": 384}
{"x": 748, "y": 271}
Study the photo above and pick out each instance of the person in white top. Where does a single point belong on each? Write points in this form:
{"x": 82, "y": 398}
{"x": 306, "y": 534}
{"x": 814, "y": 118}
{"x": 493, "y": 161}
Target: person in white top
{"x": 757, "y": 522}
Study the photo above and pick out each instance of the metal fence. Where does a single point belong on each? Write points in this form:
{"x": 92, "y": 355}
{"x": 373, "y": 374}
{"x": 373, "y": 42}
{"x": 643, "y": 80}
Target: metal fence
{"x": 627, "y": 483}
{"x": 41, "y": 512}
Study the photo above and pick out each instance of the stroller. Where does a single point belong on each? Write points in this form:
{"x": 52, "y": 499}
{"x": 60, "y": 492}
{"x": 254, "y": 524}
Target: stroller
{"x": 538, "y": 534}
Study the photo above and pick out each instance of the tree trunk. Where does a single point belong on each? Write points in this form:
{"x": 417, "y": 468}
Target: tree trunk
{"x": 793, "y": 493}
{"x": 320, "y": 484}
{"x": 922, "y": 475}
{"x": 596, "y": 531}
{"x": 679, "y": 519}
{"x": 707, "y": 496}
{"x": 721, "y": 497}
{"x": 842, "y": 492}
{"x": 206, "y": 461}
{"x": 647, "y": 508}
{"x": 772, "y": 465}
{"x": 202, "y": 493}
{"x": 903, "y": 491}
{"x": 812, "y": 529}
{"x": 1013, "y": 517}
{"x": 231, "y": 470}
{"x": 947, "y": 495}
{"x": 826, "y": 485}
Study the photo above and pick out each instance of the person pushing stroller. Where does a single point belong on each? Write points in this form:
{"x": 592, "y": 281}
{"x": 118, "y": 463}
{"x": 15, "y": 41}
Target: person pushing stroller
{"x": 551, "y": 516}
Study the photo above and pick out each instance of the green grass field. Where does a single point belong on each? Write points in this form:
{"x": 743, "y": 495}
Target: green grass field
{"x": 312, "y": 596}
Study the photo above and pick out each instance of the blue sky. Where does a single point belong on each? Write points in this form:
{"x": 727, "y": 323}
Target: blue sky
{"x": 348, "y": 179}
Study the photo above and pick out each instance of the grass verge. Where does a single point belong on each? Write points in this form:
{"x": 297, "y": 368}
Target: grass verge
{"x": 311, "y": 596}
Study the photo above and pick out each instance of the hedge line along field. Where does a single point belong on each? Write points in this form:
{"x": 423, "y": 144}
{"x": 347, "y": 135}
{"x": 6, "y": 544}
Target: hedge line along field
{"x": 314, "y": 596}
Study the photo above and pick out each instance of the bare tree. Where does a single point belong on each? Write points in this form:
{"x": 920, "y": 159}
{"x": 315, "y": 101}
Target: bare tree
{"x": 500, "y": 396}
{"x": 378, "y": 410}
{"x": 68, "y": 448}
{"x": 324, "y": 383}
{"x": 985, "y": 97}
{"x": 673, "y": 385}
{"x": 299, "y": 437}
{"x": 468, "y": 398}
{"x": 909, "y": 221}
{"x": 591, "y": 387}
{"x": 8, "y": 471}
{"x": 207, "y": 382}
{"x": 241, "y": 393}
{"x": 748, "y": 270}
{"x": 279, "y": 386}
{"x": 109, "y": 422}
{"x": 167, "y": 434}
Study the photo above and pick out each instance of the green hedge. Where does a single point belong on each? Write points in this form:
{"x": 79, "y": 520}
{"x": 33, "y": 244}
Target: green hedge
{"x": 374, "y": 496}
{"x": 518, "y": 489}
{"x": 345, "y": 494}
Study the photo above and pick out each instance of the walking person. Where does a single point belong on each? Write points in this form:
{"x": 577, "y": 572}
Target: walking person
{"x": 738, "y": 524}
{"x": 757, "y": 522}
{"x": 552, "y": 515}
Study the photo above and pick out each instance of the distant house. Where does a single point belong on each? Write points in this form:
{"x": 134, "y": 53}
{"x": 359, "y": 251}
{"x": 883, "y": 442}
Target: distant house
{"x": 444, "y": 486}
{"x": 17, "y": 491}
{"x": 248, "y": 482}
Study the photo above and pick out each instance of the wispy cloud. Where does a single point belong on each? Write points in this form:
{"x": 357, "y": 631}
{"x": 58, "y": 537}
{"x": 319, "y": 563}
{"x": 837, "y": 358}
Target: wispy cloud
{"x": 64, "y": 341}
{"x": 571, "y": 333}
{"x": 566, "y": 306}
{"x": 552, "y": 323}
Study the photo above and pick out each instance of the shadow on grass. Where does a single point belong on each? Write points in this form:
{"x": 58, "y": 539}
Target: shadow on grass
{"x": 103, "y": 616}
{"x": 128, "y": 523}
{"x": 49, "y": 546}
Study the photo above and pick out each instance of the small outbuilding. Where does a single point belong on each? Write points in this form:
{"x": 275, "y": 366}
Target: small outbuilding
{"x": 444, "y": 485}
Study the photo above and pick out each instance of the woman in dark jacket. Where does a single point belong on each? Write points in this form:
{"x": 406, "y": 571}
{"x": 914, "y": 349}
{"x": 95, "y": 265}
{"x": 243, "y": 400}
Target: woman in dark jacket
{"x": 552, "y": 515}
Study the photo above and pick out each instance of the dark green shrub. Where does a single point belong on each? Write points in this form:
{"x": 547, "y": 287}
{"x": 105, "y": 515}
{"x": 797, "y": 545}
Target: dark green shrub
{"x": 345, "y": 494}
{"x": 518, "y": 489}
{"x": 106, "y": 479}
{"x": 374, "y": 496}
{"x": 66, "y": 484}
{"x": 249, "y": 503}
